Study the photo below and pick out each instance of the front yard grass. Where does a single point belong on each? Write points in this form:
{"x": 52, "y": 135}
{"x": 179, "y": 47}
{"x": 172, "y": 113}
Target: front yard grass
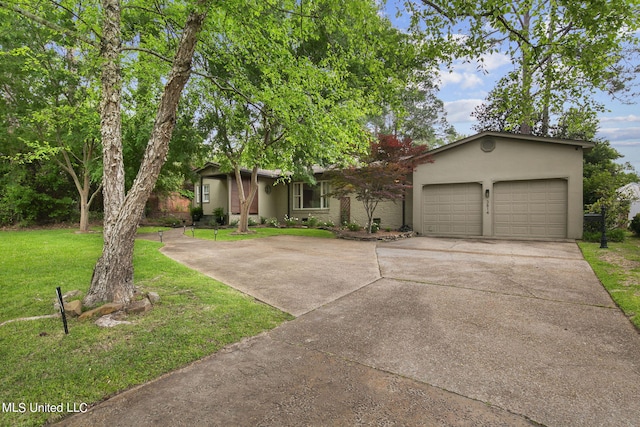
{"x": 40, "y": 364}
{"x": 229, "y": 234}
{"x": 618, "y": 268}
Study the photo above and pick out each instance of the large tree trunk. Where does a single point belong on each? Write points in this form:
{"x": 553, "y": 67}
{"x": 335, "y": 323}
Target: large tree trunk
{"x": 113, "y": 274}
{"x": 526, "y": 124}
{"x": 246, "y": 201}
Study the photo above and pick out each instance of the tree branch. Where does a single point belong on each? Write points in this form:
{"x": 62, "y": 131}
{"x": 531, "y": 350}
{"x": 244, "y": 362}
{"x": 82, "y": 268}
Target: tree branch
{"x": 48, "y": 24}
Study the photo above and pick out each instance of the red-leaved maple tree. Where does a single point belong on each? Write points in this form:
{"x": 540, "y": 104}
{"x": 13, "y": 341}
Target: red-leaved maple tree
{"x": 385, "y": 173}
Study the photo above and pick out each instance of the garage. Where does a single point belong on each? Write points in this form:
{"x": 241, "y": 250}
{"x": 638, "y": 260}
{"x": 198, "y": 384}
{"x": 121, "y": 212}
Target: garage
{"x": 531, "y": 208}
{"x": 501, "y": 185}
{"x": 452, "y": 209}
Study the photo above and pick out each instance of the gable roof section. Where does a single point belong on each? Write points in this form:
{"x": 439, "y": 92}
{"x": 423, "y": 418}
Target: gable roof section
{"x": 265, "y": 173}
{"x": 512, "y": 136}
{"x": 216, "y": 166}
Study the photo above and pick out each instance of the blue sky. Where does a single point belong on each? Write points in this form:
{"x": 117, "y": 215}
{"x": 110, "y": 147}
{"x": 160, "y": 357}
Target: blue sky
{"x": 464, "y": 88}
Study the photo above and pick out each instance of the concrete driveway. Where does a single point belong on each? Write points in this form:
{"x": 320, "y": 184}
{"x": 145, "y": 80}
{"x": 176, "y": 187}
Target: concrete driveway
{"x": 416, "y": 332}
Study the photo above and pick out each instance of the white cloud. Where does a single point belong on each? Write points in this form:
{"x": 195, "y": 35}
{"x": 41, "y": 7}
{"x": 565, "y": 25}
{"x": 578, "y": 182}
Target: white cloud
{"x": 495, "y": 61}
{"x": 628, "y": 118}
{"x": 463, "y": 80}
{"x": 460, "y": 111}
{"x": 621, "y": 136}
{"x": 472, "y": 74}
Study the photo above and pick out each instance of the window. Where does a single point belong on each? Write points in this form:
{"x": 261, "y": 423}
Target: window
{"x": 205, "y": 193}
{"x": 307, "y": 196}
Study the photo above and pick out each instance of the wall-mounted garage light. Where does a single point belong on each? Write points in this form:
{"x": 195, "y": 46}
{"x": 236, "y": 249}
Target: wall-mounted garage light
{"x": 486, "y": 196}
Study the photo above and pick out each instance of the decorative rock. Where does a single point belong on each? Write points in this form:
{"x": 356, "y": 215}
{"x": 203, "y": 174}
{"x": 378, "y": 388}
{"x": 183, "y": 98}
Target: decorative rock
{"x": 141, "y": 306}
{"x": 109, "y": 322}
{"x": 102, "y": 310}
{"x": 154, "y": 298}
{"x": 73, "y": 308}
{"x": 71, "y": 294}
{"x": 65, "y": 298}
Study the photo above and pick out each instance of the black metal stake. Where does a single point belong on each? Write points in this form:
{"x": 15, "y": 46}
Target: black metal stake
{"x": 64, "y": 316}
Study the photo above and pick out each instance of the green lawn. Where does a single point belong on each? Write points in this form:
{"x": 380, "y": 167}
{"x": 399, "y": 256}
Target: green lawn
{"x": 195, "y": 317}
{"x": 618, "y": 268}
{"x": 227, "y": 234}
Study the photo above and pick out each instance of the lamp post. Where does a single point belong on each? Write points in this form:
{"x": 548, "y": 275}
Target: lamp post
{"x": 193, "y": 230}
{"x": 215, "y": 233}
{"x": 160, "y": 234}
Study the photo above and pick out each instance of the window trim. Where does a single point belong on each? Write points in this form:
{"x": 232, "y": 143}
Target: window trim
{"x": 206, "y": 190}
{"x": 298, "y": 196}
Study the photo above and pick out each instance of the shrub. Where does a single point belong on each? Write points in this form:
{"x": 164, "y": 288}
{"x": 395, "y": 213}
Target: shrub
{"x": 196, "y": 213}
{"x": 273, "y": 222}
{"x": 375, "y": 227}
{"x": 635, "y": 225}
{"x": 251, "y": 222}
{"x": 218, "y": 216}
{"x": 615, "y": 235}
{"x": 353, "y": 226}
{"x": 329, "y": 224}
{"x": 290, "y": 221}
{"x": 263, "y": 220}
{"x": 312, "y": 221}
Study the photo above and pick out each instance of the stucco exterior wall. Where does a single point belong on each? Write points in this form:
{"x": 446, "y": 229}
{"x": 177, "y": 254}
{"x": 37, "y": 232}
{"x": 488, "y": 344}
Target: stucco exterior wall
{"x": 272, "y": 203}
{"x": 218, "y": 195}
{"x": 510, "y": 160}
{"x": 390, "y": 213}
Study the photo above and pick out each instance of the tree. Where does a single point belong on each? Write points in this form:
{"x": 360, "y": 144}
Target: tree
{"x": 49, "y": 99}
{"x": 112, "y": 278}
{"x": 420, "y": 117}
{"x": 564, "y": 51}
{"x": 383, "y": 174}
{"x": 293, "y": 88}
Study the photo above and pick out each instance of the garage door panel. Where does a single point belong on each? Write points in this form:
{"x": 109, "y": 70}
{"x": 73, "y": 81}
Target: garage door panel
{"x": 452, "y": 209}
{"x": 535, "y": 208}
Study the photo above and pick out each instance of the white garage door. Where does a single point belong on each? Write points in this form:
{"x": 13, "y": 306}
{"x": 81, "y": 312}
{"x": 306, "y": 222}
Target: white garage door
{"x": 536, "y": 208}
{"x": 452, "y": 209}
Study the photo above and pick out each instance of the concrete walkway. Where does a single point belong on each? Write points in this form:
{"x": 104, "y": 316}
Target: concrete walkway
{"x": 423, "y": 331}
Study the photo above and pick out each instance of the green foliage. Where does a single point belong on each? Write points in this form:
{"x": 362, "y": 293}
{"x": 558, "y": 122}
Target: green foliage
{"x": 312, "y": 221}
{"x": 196, "y": 212}
{"x": 290, "y": 221}
{"x": 615, "y": 235}
{"x": 353, "y": 226}
{"x": 603, "y": 175}
{"x": 35, "y": 194}
{"x": 542, "y": 39}
{"x": 635, "y": 225}
{"x": 218, "y": 216}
